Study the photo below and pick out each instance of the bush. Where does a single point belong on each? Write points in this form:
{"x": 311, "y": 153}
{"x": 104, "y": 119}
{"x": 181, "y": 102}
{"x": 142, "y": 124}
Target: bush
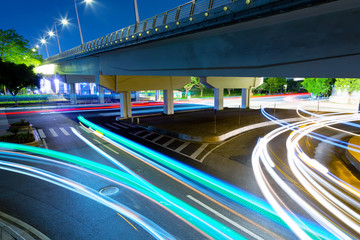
{"x": 20, "y": 123}
{"x": 20, "y": 138}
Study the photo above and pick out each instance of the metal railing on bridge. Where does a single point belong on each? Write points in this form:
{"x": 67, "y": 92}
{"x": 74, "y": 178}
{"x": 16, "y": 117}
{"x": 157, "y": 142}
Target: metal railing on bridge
{"x": 148, "y": 27}
{"x": 185, "y": 18}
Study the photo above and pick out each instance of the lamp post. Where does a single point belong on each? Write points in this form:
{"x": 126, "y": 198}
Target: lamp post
{"x": 78, "y": 20}
{"x": 43, "y": 41}
{"x": 136, "y": 15}
{"x": 64, "y": 22}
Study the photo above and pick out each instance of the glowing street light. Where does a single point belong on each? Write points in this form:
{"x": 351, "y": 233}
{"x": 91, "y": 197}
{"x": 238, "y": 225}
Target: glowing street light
{"x": 77, "y": 16}
{"x": 51, "y": 33}
{"x": 64, "y": 22}
{"x": 43, "y": 41}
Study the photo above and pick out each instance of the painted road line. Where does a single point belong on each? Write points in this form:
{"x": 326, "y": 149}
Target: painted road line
{"x": 45, "y": 144}
{"x": 146, "y": 135}
{"x": 41, "y": 133}
{"x": 182, "y": 146}
{"x": 136, "y": 133}
{"x": 127, "y": 221}
{"x": 169, "y": 142}
{"x": 199, "y": 150}
{"x": 111, "y": 149}
{"x": 53, "y": 132}
{"x": 157, "y": 138}
{"x": 235, "y": 224}
{"x": 64, "y": 131}
{"x": 120, "y": 125}
{"x": 109, "y": 125}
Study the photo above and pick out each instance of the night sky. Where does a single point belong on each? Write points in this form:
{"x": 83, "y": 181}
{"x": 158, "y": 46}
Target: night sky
{"x": 33, "y": 18}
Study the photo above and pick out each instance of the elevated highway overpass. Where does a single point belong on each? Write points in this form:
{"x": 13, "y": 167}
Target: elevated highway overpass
{"x": 227, "y": 43}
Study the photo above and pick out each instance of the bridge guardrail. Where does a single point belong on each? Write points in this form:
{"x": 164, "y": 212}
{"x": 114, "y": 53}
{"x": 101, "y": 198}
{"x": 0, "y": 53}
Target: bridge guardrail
{"x": 147, "y": 26}
{"x": 181, "y": 17}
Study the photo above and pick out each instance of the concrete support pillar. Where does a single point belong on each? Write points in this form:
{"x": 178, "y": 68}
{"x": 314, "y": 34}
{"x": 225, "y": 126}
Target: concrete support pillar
{"x": 157, "y": 95}
{"x": 72, "y": 93}
{"x": 101, "y": 94}
{"x": 219, "y": 98}
{"x": 168, "y": 101}
{"x": 125, "y": 105}
{"x": 137, "y": 96}
{"x": 245, "y": 97}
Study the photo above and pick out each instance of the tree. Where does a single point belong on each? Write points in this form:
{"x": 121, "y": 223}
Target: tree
{"x": 194, "y": 82}
{"x": 274, "y": 84}
{"x": 17, "y": 76}
{"x": 350, "y": 84}
{"x": 15, "y": 48}
{"x": 317, "y": 86}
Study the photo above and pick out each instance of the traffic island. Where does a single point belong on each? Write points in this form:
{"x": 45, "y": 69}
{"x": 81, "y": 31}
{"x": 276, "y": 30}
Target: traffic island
{"x": 21, "y": 132}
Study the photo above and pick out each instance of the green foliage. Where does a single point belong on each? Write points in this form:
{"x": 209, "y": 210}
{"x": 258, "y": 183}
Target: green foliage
{"x": 17, "y": 76}
{"x": 14, "y": 130}
{"x": 317, "y": 86}
{"x": 19, "y": 138}
{"x": 271, "y": 85}
{"x": 275, "y": 85}
{"x": 194, "y": 82}
{"x": 293, "y": 86}
{"x": 350, "y": 84}
{"x": 15, "y": 48}
{"x": 22, "y": 122}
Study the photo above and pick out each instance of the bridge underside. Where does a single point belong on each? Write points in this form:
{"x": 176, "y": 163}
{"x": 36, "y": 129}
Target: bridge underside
{"x": 319, "y": 41}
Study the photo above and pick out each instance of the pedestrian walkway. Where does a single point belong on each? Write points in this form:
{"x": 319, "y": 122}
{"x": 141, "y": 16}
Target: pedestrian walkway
{"x": 54, "y": 132}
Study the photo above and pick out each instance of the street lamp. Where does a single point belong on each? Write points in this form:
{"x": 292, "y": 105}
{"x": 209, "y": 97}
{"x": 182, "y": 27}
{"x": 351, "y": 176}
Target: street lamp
{"x": 64, "y": 22}
{"x": 43, "y": 41}
{"x": 77, "y": 16}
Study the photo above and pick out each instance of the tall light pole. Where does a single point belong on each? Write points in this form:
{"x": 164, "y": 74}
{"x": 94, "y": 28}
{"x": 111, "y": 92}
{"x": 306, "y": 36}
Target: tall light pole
{"x": 136, "y": 15}
{"x": 64, "y": 22}
{"x": 78, "y": 20}
{"x": 43, "y": 41}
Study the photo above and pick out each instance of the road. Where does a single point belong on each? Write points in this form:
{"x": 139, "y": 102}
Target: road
{"x": 81, "y": 215}
{"x": 58, "y": 131}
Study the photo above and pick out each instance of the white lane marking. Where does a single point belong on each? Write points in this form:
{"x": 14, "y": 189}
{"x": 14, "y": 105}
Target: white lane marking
{"x": 41, "y": 133}
{"x": 169, "y": 142}
{"x": 64, "y": 131}
{"x": 146, "y": 135}
{"x": 225, "y": 218}
{"x": 127, "y": 124}
{"x": 138, "y": 132}
{"x": 111, "y": 149}
{"x": 53, "y": 132}
{"x": 199, "y": 150}
{"x": 109, "y": 125}
{"x": 45, "y": 144}
{"x": 182, "y": 146}
{"x": 157, "y": 138}
{"x": 122, "y": 126}
{"x": 97, "y": 141}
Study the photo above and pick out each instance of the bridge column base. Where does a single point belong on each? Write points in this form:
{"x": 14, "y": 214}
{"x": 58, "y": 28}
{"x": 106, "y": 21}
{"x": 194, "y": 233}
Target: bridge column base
{"x": 245, "y": 97}
{"x": 219, "y": 98}
{"x": 72, "y": 93}
{"x": 168, "y": 101}
{"x": 101, "y": 97}
{"x": 125, "y": 105}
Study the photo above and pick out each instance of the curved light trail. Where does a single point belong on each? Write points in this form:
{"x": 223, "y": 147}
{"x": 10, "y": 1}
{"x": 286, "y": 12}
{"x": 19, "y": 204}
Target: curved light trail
{"x": 194, "y": 175}
{"x": 206, "y": 225}
{"x": 334, "y": 203}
